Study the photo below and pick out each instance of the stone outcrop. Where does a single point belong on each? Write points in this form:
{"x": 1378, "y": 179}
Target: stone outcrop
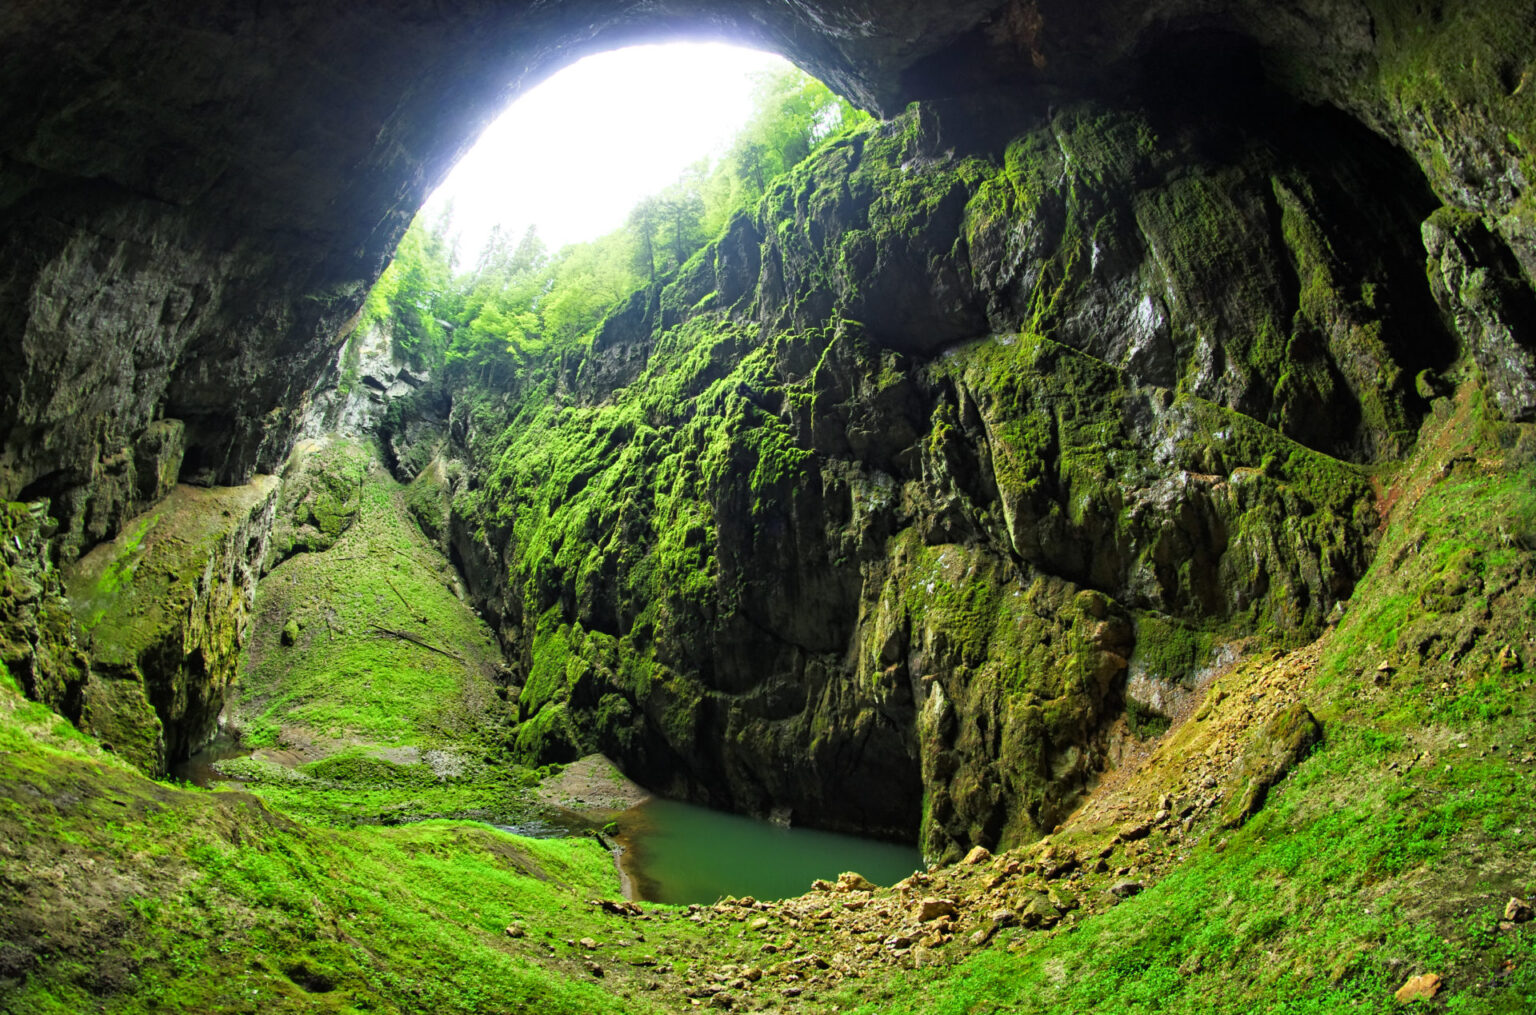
{"x": 37, "y": 642}
{"x": 356, "y": 393}
{"x": 867, "y": 514}
{"x": 1202, "y": 227}
{"x": 320, "y": 496}
{"x": 1275, "y": 749}
{"x": 137, "y": 641}
{"x": 162, "y": 612}
{"x": 195, "y": 201}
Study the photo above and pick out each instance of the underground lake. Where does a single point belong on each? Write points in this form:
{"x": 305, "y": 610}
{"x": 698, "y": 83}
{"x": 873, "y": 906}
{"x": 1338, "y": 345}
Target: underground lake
{"x": 680, "y": 853}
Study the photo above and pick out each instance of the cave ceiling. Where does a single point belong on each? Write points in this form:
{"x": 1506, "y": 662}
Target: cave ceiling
{"x": 195, "y": 197}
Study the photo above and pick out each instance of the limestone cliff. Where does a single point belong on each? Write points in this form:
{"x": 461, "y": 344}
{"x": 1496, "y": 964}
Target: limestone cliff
{"x": 868, "y": 514}
{"x": 193, "y": 202}
{"x": 162, "y": 612}
{"x": 1201, "y": 226}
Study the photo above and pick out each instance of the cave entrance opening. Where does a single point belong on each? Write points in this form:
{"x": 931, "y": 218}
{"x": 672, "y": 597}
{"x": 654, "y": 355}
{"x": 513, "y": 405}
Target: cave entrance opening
{"x": 572, "y": 157}
{"x": 601, "y": 180}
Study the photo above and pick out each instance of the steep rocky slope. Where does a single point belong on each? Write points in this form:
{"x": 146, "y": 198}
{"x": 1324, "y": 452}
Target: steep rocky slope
{"x": 887, "y": 508}
{"x": 194, "y": 204}
{"x": 1071, "y": 404}
{"x": 1349, "y": 882}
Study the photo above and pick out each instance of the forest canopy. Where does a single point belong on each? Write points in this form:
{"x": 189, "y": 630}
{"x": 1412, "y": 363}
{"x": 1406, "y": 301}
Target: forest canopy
{"x": 518, "y": 299}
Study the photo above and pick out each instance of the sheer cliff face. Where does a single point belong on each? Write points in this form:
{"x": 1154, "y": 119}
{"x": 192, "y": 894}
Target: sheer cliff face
{"x": 873, "y": 513}
{"x": 1205, "y": 223}
{"x": 193, "y": 202}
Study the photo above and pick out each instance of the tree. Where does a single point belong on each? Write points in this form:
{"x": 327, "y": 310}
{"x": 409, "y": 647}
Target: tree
{"x": 643, "y": 221}
{"x": 681, "y": 207}
{"x": 518, "y": 300}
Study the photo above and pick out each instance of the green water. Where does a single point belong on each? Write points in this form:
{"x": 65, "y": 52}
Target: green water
{"x": 679, "y": 853}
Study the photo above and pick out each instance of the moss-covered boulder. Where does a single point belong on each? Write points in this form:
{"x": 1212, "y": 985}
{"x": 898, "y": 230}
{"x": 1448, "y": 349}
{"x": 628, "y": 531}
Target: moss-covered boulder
{"x": 1275, "y": 749}
{"x": 162, "y": 612}
{"x": 319, "y": 499}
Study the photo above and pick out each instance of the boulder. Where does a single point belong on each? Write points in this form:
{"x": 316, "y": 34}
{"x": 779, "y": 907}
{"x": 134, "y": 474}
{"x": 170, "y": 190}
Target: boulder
{"x": 1274, "y": 749}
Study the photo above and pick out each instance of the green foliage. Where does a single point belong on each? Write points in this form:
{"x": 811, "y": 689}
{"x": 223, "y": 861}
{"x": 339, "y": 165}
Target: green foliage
{"x": 330, "y": 664}
{"x": 219, "y": 903}
{"x": 415, "y": 293}
{"x": 519, "y": 302}
{"x": 793, "y": 114}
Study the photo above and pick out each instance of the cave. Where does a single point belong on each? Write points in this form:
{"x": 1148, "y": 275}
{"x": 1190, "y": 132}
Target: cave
{"x": 196, "y": 203}
{"x": 1148, "y": 373}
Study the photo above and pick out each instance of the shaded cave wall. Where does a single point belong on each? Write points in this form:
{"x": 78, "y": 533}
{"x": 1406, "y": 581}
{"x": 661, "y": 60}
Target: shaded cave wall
{"x": 193, "y": 203}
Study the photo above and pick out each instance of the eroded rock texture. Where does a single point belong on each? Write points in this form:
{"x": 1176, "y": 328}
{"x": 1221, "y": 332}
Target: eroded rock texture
{"x": 194, "y": 200}
{"x": 867, "y": 515}
{"x": 1199, "y": 230}
{"x": 162, "y": 613}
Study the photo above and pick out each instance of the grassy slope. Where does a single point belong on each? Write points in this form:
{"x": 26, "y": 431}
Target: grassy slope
{"x": 381, "y": 728}
{"x": 120, "y": 894}
{"x": 1391, "y": 850}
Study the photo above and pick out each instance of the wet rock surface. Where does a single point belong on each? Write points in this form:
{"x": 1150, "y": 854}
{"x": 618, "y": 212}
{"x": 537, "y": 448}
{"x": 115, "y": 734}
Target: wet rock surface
{"x": 1169, "y": 209}
{"x": 872, "y": 584}
{"x": 197, "y": 201}
{"x": 162, "y": 613}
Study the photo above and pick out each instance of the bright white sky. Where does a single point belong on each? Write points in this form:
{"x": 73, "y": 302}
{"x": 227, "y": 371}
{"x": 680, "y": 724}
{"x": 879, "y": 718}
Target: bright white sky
{"x": 574, "y": 154}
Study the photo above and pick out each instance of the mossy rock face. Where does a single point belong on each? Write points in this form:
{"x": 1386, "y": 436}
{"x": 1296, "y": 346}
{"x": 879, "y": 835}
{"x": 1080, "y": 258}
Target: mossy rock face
{"x": 1478, "y": 284}
{"x": 321, "y": 493}
{"x": 162, "y": 612}
{"x": 1274, "y": 750}
{"x": 1456, "y": 90}
{"x": 118, "y": 713}
{"x": 37, "y": 643}
{"x": 1016, "y": 678}
{"x": 708, "y": 540}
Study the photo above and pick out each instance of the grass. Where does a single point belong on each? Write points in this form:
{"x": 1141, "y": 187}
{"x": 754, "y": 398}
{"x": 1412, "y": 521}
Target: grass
{"x": 120, "y": 894}
{"x": 372, "y": 726}
{"x": 1392, "y": 849}
{"x": 345, "y": 677}
{"x": 192, "y": 901}
{"x": 1345, "y": 885}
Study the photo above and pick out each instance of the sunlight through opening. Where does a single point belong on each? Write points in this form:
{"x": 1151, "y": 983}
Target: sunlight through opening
{"x": 573, "y": 155}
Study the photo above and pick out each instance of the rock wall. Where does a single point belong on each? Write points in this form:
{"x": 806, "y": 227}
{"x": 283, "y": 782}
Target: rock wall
{"x": 137, "y": 641}
{"x": 866, "y": 515}
{"x": 192, "y": 203}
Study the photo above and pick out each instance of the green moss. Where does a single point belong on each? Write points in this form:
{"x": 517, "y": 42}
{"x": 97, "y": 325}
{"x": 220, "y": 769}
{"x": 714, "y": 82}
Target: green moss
{"x": 1353, "y": 875}
{"x": 320, "y": 498}
{"x": 119, "y": 572}
{"x": 351, "y": 362}
{"x": 1170, "y": 649}
{"x": 1063, "y": 457}
{"x": 549, "y": 736}
{"x": 1463, "y": 544}
{"x": 1463, "y": 63}
{"x": 1146, "y": 723}
{"x": 363, "y": 651}
{"x": 249, "y": 908}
